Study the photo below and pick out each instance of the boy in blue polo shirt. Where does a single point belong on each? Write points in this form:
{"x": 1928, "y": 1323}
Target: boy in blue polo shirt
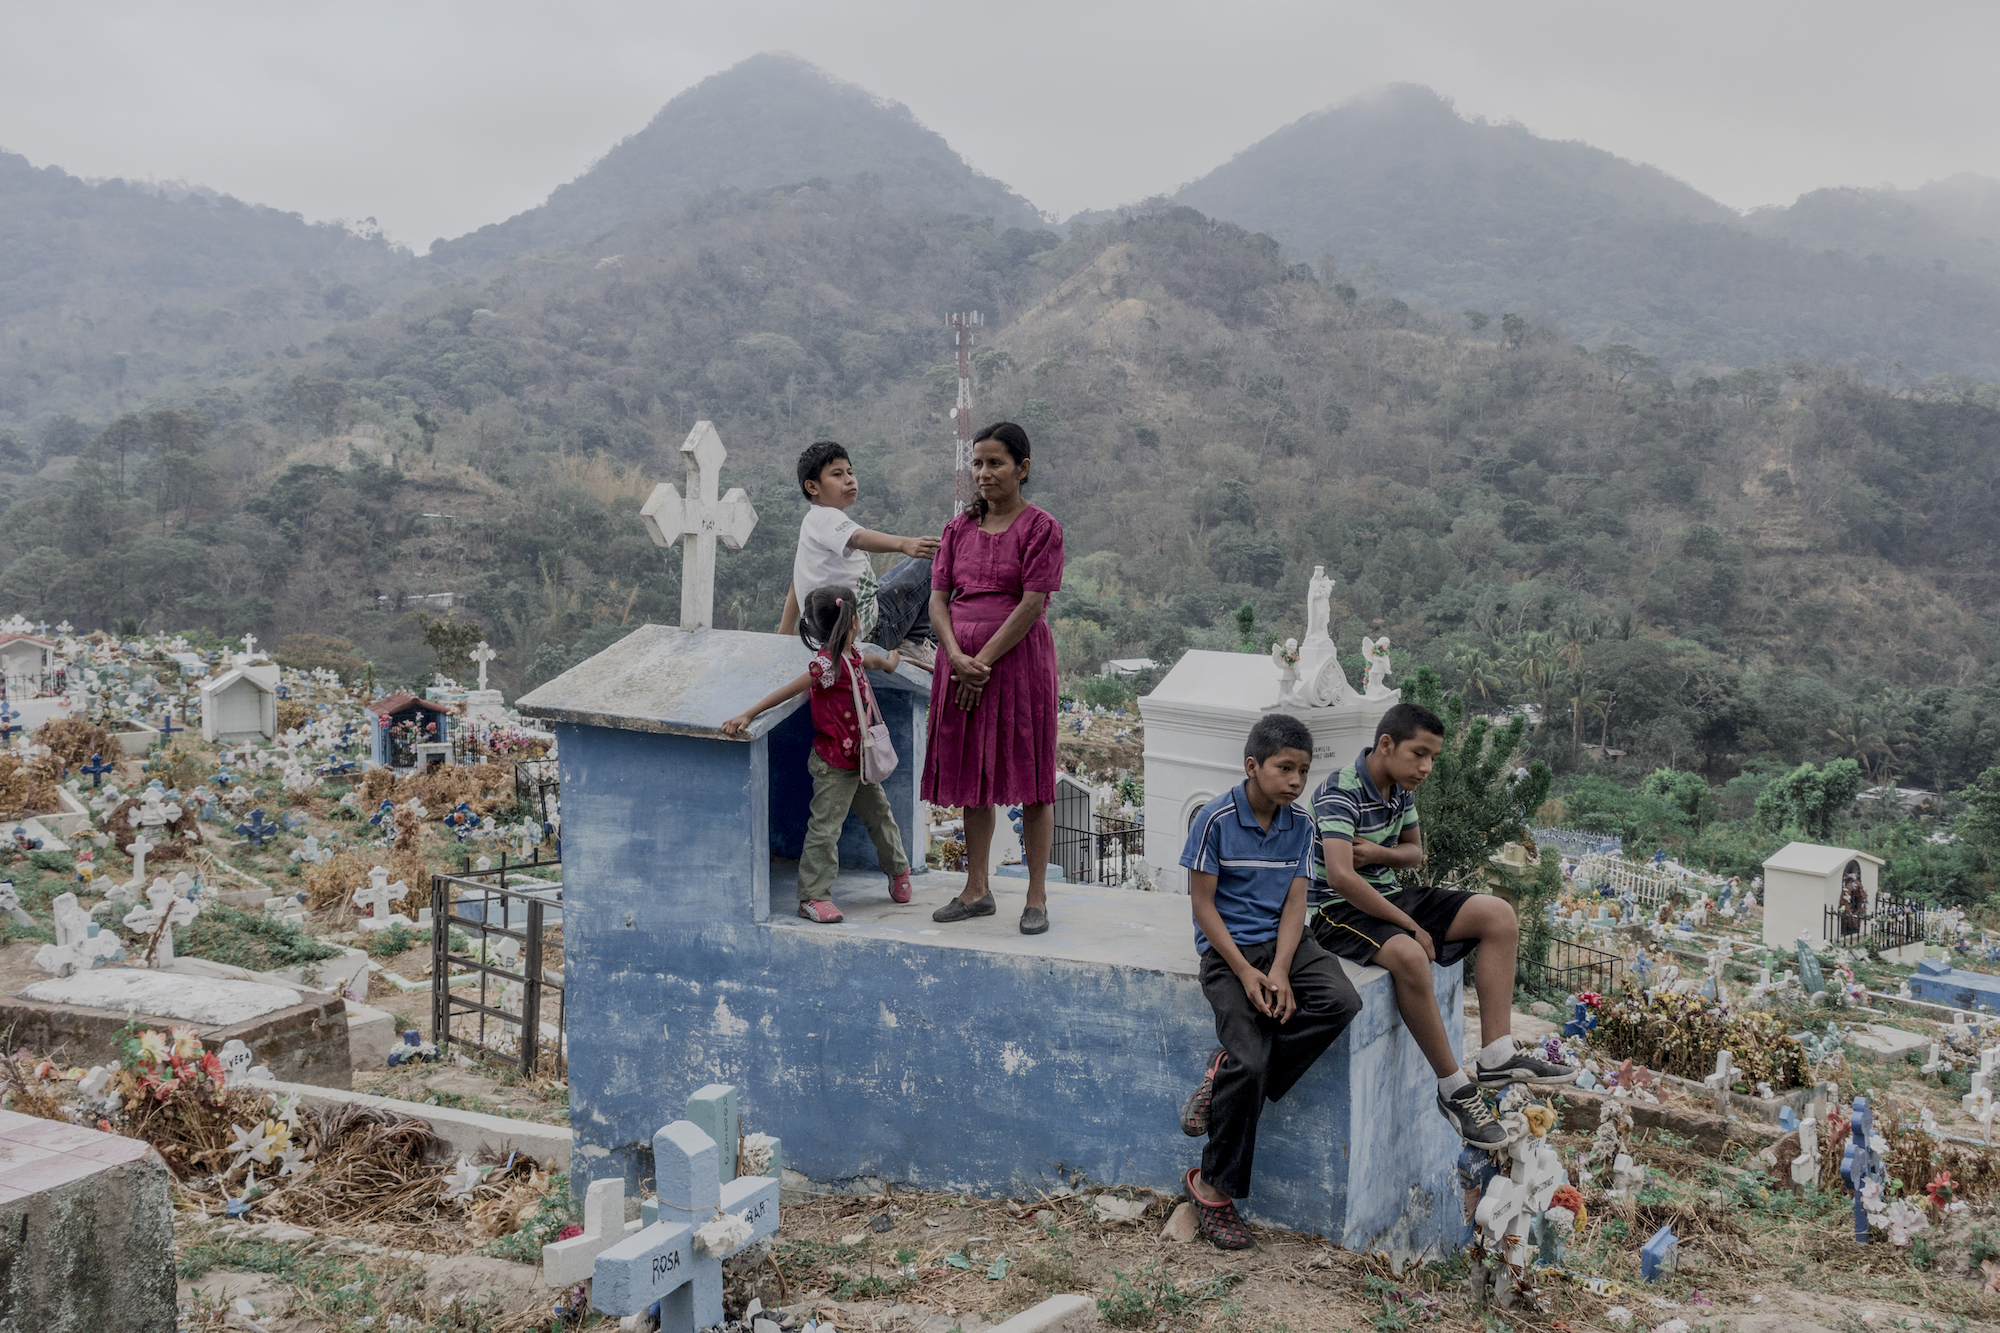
{"x": 1367, "y": 818}
{"x": 1280, "y": 999}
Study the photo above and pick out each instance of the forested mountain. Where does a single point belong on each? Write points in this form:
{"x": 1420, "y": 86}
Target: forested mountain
{"x": 1776, "y": 564}
{"x": 66, "y": 242}
{"x": 772, "y": 120}
{"x": 1461, "y": 214}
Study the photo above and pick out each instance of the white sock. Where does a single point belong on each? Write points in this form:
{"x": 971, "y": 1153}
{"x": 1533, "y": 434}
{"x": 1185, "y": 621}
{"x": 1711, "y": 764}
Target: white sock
{"x": 1498, "y": 1052}
{"x": 1453, "y": 1081}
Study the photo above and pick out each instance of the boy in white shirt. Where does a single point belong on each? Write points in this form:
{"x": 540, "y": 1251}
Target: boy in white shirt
{"x": 833, "y": 550}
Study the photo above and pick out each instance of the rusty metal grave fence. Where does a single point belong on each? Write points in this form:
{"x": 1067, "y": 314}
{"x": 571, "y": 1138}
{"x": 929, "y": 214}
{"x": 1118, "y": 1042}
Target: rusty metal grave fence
{"x": 502, "y": 926}
{"x": 536, "y": 782}
{"x": 1572, "y": 968}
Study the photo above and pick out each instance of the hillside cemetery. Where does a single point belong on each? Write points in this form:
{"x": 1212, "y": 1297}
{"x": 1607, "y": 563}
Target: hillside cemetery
{"x": 304, "y": 950}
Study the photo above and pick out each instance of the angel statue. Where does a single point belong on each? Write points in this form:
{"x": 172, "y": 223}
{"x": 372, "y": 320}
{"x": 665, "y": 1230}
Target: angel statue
{"x": 1376, "y": 651}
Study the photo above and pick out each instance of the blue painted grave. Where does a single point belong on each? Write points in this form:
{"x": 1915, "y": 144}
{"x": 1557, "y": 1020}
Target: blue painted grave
{"x": 256, "y": 828}
{"x": 1861, "y": 1163}
{"x": 97, "y": 768}
{"x": 1938, "y": 982}
{"x": 967, "y": 1058}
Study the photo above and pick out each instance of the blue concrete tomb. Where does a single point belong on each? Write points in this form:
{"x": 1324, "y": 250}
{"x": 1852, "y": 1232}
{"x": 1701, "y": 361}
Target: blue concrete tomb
{"x": 966, "y": 1057}
{"x": 1938, "y": 982}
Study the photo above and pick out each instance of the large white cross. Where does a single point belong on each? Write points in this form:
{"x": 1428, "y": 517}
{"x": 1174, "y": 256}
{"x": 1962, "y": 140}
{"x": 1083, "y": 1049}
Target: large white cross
{"x": 697, "y": 520}
{"x": 482, "y": 655}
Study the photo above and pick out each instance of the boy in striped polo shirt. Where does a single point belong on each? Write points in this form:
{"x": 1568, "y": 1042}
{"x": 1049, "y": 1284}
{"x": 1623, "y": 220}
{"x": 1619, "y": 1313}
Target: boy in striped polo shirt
{"x": 1366, "y": 817}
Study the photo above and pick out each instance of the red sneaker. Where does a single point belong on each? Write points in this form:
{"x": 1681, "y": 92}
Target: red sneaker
{"x": 821, "y": 910}
{"x": 899, "y": 887}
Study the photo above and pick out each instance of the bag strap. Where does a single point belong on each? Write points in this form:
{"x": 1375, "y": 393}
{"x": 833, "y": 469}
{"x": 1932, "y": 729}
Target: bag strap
{"x": 865, "y": 714}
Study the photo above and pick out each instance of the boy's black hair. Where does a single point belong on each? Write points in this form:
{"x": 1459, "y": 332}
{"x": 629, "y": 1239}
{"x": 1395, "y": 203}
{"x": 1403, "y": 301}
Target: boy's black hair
{"x": 1275, "y": 732}
{"x": 814, "y": 460}
{"x": 1406, "y": 720}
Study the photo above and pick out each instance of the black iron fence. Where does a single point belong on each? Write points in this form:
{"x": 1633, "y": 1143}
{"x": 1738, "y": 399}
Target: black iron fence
{"x": 1096, "y": 849}
{"x": 1572, "y": 968}
{"x": 536, "y": 783}
{"x": 499, "y": 936}
{"x": 1893, "y": 923}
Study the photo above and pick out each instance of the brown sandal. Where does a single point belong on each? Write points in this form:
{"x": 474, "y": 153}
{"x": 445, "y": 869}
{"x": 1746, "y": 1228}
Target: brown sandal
{"x": 1217, "y": 1223}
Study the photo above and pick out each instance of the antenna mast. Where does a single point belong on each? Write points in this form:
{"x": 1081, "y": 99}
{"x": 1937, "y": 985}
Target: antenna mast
{"x": 962, "y": 325}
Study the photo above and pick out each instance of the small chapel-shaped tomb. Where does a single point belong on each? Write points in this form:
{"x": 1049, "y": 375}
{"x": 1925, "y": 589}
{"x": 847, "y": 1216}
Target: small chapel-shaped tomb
{"x": 1829, "y": 895}
{"x": 401, "y": 723}
{"x": 240, "y": 704}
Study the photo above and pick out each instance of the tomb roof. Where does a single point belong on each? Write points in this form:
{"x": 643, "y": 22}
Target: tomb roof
{"x": 26, "y": 638}
{"x": 402, "y": 701}
{"x": 1810, "y": 858}
{"x": 216, "y": 684}
{"x": 685, "y": 682}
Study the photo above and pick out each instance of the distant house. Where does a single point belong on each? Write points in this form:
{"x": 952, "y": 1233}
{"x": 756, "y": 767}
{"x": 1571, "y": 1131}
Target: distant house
{"x": 1126, "y": 667}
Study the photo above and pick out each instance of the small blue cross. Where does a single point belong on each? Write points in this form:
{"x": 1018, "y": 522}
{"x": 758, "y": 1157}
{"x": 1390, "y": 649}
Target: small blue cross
{"x": 167, "y": 727}
{"x": 388, "y": 810}
{"x": 97, "y": 768}
{"x": 257, "y": 828}
{"x": 8, "y": 716}
{"x": 335, "y": 766}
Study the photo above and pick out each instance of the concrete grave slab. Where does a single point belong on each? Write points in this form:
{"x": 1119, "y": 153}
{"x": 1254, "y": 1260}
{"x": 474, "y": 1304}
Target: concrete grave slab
{"x": 464, "y": 1133}
{"x": 296, "y": 1033}
{"x": 1886, "y": 1045}
{"x": 86, "y": 1230}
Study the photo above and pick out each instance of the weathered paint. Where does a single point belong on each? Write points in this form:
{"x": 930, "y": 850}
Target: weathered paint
{"x": 947, "y": 1063}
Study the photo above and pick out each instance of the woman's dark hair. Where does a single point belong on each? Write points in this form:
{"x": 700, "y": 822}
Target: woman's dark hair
{"x": 814, "y": 460}
{"x": 1015, "y": 440}
{"x": 824, "y": 618}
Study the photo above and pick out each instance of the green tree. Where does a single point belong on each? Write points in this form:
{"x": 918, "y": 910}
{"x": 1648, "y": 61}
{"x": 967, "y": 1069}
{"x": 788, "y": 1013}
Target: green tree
{"x": 1687, "y": 792}
{"x": 451, "y": 640}
{"x": 1473, "y": 803}
{"x": 1477, "y": 320}
{"x": 1809, "y": 799}
{"x": 1980, "y": 824}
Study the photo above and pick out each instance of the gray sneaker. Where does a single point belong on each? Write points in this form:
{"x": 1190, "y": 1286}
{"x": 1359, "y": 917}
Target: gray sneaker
{"x": 1467, "y": 1113}
{"x": 1520, "y": 1067}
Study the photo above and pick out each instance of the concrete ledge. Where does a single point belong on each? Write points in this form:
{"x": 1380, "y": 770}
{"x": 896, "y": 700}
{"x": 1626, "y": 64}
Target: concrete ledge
{"x": 1057, "y": 1314}
{"x": 1580, "y": 1112}
{"x": 466, "y": 1132}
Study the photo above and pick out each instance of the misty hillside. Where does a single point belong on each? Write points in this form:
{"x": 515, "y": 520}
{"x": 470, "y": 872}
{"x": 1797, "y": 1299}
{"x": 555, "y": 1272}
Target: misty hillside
{"x": 1755, "y": 565}
{"x": 64, "y": 241}
{"x": 1466, "y": 215}
{"x": 1947, "y": 226}
{"x": 772, "y": 120}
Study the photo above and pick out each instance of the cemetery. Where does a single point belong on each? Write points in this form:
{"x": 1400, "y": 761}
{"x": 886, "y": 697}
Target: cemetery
{"x": 397, "y": 1002}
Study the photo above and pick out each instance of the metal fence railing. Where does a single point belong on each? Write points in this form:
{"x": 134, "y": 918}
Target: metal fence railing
{"x": 1090, "y": 847}
{"x": 1573, "y": 968}
{"x": 1574, "y": 842}
{"x": 1894, "y": 923}
{"x": 536, "y": 783}
{"x": 503, "y": 925}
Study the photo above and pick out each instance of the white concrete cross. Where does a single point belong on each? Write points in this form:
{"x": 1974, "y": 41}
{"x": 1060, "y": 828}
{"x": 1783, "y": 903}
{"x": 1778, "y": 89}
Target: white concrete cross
{"x": 138, "y": 849}
{"x": 483, "y": 654}
{"x": 697, "y": 520}
{"x": 76, "y": 945}
{"x": 249, "y": 645}
{"x": 376, "y": 895}
{"x": 167, "y": 905}
{"x": 568, "y": 1262}
{"x": 665, "y": 1262}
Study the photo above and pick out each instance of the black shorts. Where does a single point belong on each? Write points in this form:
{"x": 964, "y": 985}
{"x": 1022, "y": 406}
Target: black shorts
{"x": 1353, "y": 934}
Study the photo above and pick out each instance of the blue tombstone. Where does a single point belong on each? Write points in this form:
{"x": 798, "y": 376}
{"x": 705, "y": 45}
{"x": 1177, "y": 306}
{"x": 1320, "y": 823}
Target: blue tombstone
{"x": 1660, "y": 1254}
{"x": 1938, "y": 982}
{"x": 256, "y": 828}
{"x": 97, "y": 768}
{"x": 876, "y": 1043}
{"x": 1581, "y": 1022}
{"x": 167, "y": 727}
{"x": 1861, "y": 1163}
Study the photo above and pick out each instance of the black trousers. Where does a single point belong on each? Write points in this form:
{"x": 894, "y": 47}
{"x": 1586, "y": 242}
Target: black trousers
{"x": 1265, "y": 1058}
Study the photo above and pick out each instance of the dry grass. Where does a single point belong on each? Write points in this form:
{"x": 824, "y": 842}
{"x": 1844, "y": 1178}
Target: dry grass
{"x": 605, "y": 478}
{"x": 73, "y": 740}
{"x": 27, "y": 787}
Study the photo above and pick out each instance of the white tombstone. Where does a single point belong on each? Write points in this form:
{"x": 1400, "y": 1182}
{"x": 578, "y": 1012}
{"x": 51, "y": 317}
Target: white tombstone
{"x": 239, "y": 1063}
{"x": 375, "y": 896}
{"x": 164, "y": 909}
{"x": 1805, "y": 1167}
{"x": 698, "y": 520}
{"x": 79, "y": 945}
{"x": 568, "y": 1262}
{"x": 1196, "y": 719}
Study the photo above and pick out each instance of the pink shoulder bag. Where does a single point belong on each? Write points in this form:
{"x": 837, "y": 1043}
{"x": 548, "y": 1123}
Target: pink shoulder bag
{"x": 878, "y": 754}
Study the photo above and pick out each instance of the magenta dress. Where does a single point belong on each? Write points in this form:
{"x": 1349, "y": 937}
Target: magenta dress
{"x": 1004, "y": 751}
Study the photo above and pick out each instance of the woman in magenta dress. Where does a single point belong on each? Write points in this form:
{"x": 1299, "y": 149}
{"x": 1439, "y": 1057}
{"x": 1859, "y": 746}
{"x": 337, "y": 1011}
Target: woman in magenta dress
{"x": 993, "y": 690}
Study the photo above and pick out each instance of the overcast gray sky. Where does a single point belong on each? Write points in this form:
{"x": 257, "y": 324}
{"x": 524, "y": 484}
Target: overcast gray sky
{"x": 438, "y": 117}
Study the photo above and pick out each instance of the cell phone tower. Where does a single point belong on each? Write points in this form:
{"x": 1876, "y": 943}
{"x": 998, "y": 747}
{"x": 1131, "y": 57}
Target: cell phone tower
{"x": 962, "y": 325}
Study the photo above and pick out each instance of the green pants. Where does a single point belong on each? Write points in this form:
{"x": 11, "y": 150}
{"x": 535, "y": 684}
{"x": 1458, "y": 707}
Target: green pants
{"x": 836, "y": 791}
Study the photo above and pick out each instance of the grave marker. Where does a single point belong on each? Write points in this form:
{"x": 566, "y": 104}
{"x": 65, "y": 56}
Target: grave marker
{"x": 698, "y": 520}
{"x": 256, "y": 829}
{"x": 375, "y": 896}
{"x": 666, "y": 1262}
{"x": 97, "y": 768}
{"x": 79, "y": 944}
{"x": 568, "y": 1262}
{"x": 483, "y": 654}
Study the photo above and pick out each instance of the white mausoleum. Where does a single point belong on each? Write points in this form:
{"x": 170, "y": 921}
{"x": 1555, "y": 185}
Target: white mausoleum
{"x": 241, "y": 703}
{"x": 1804, "y": 881}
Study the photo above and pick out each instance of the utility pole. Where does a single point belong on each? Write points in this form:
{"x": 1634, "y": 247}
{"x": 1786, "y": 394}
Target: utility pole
{"x": 962, "y": 325}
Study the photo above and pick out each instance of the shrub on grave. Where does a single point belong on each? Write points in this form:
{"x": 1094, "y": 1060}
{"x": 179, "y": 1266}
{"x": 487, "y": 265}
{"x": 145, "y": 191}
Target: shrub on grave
{"x": 1681, "y": 1034}
{"x": 27, "y": 787}
{"x": 74, "y": 740}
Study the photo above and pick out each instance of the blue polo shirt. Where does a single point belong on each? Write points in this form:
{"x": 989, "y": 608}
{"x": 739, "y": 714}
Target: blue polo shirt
{"x": 1253, "y": 869}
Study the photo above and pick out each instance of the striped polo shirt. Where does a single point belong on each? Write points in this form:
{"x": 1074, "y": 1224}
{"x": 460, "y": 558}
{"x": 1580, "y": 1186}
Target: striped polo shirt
{"x": 1348, "y": 805}
{"x": 1253, "y": 867}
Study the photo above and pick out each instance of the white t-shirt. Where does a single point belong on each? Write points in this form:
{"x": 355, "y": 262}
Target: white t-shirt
{"x": 824, "y": 557}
